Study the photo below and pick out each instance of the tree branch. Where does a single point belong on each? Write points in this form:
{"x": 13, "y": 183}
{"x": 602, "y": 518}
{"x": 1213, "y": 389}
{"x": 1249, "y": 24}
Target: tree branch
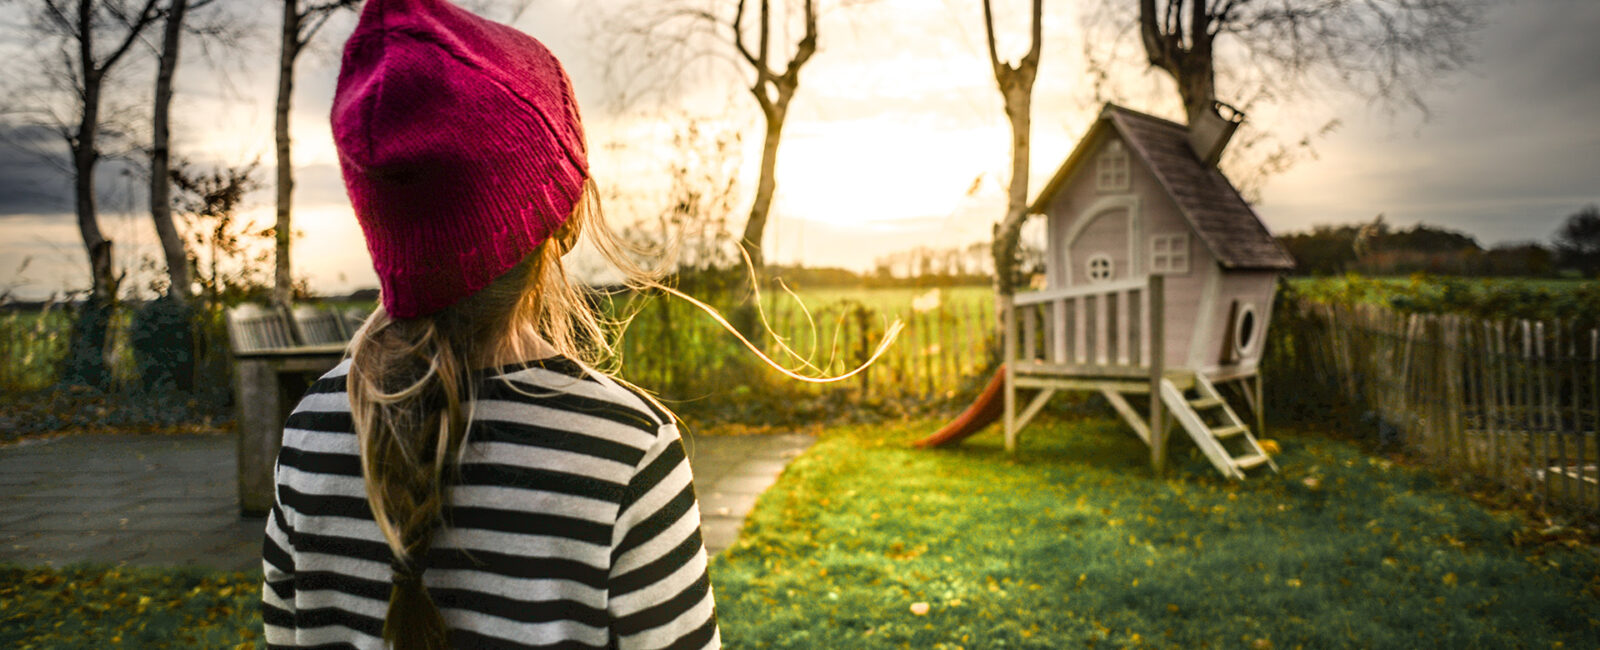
{"x": 738, "y": 36}
{"x": 988, "y": 30}
{"x": 146, "y": 16}
{"x": 807, "y": 46}
{"x": 765, "y": 46}
{"x": 317, "y": 15}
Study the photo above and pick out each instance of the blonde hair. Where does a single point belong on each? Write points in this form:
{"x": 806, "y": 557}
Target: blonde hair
{"x": 412, "y": 383}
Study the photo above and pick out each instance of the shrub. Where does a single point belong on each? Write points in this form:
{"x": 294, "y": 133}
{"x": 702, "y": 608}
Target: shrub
{"x": 162, "y": 335}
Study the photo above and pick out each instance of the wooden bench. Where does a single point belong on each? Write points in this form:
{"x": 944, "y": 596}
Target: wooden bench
{"x": 277, "y": 354}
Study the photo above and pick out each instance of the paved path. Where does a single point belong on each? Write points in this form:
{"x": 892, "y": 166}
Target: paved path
{"x": 170, "y": 500}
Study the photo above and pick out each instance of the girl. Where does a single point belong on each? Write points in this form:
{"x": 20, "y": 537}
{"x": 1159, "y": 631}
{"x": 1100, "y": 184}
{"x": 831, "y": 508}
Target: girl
{"x": 465, "y": 478}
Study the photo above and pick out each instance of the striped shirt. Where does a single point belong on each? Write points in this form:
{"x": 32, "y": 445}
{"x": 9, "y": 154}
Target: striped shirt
{"x": 571, "y": 523}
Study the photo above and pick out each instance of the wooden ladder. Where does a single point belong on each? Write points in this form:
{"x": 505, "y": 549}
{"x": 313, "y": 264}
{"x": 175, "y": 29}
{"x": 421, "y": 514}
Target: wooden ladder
{"x": 1215, "y": 441}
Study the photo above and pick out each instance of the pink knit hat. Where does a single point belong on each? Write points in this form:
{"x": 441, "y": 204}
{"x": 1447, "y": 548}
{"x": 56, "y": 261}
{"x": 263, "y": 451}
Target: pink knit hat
{"x": 461, "y": 148}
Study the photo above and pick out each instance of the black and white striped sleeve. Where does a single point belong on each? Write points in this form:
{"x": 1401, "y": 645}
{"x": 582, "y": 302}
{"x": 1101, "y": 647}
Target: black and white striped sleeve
{"x": 660, "y": 594}
{"x": 277, "y": 564}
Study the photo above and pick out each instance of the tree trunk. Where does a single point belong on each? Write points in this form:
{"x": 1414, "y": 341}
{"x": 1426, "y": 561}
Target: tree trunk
{"x": 1016, "y": 88}
{"x": 283, "y": 283}
{"x": 160, "y": 157}
{"x": 765, "y": 188}
{"x": 86, "y": 361}
{"x": 1197, "y": 87}
{"x": 1018, "y": 99}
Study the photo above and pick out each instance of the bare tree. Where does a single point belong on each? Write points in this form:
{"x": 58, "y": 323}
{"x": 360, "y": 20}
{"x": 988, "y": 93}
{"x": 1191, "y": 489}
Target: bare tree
{"x": 672, "y": 33}
{"x": 1016, "y": 87}
{"x": 94, "y": 36}
{"x": 773, "y": 90}
{"x": 302, "y": 19}
{"x": 176, "y": 13}
{"x": 1270, "y": 51}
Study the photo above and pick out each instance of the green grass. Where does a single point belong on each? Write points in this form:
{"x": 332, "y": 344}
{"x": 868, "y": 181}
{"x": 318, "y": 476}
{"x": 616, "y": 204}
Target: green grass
{"x": 1073, "y": 543}
{"x": 98, "y": 607}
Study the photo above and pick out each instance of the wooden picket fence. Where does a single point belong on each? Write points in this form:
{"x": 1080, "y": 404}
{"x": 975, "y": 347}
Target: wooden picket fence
{"x": 1513, "y": 401}
{"x": 685, "y": 355}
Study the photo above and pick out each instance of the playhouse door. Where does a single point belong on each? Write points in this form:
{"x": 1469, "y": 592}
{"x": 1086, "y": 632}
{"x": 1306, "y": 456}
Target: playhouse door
{"x": 1099, "y": 249}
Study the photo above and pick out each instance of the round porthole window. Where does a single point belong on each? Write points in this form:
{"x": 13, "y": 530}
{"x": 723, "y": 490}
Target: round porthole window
{"x": 1100, "y": 268}
{"x": 1245, "y": 333}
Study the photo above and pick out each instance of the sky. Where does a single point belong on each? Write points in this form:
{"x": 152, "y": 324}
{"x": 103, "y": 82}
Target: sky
{"x": 896, "y": 139}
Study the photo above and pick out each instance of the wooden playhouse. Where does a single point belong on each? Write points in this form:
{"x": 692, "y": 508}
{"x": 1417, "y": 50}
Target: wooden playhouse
{"x": 1159, "y": 282}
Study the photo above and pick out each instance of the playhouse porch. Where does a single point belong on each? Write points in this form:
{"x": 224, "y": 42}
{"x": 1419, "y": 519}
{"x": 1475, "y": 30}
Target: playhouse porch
{"x": 1111, "y": 338}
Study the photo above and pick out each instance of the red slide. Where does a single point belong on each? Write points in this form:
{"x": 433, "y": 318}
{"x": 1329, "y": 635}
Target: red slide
{"x": 990, "y": 405}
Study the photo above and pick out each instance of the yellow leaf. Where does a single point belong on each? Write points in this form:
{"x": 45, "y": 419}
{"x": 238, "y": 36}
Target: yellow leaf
{"x": 1449, "y": 579}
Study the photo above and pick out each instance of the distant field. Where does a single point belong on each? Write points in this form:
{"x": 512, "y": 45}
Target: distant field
{"x": 1400, "y": 281}
{"x": 886, "y": 300}
{"x": 1545, "y": 299}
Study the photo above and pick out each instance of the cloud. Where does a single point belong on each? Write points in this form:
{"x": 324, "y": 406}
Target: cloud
{"x": 31, "y": 181}
{"x": 1511, "y": 149}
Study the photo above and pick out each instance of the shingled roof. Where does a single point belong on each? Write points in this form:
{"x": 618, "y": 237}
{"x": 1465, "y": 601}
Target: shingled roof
{"x": 1220, "y": 217}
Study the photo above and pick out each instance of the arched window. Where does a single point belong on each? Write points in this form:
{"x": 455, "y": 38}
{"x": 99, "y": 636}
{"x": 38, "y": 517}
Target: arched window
{"x": 1100, "y": 268}
{"x": 1112, "y": 167}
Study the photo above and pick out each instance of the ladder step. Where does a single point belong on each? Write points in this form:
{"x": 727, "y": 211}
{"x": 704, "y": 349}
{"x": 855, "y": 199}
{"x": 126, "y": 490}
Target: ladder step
{"x": 1205, "y": 403}
{"x": 1249, "y": 462}
{"x": 1229, "y": 431}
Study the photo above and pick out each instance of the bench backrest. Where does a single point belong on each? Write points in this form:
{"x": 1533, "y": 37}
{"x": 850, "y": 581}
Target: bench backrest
{"x": 253, "y": 328}
{"x": 317, "y": 326}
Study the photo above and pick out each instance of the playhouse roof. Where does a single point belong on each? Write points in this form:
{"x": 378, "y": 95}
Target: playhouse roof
{"x": 1230, "y": 229}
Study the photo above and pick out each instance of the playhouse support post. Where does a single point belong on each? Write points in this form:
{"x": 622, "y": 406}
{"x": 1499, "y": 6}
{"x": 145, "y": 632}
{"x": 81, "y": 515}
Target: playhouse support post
{"x": 1008, "y": 359}
{"x": 1260, "y": 405}
{"x": 1158, "y": 416}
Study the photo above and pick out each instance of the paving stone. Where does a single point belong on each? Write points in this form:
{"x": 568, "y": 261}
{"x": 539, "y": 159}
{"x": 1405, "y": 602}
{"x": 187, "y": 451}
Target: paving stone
{"x": 743, "y": 484}
{"x": 69, "y": 522}
{"x": 9, "y": 520}
{"x": 68, "y": 506}
{"x": 50, "y": 544}
{"x": 761, "y": 467}
{"x": 720, "y": 532}
{"x": 194, "y": 506}
{"x": 177, "y": 523}
{"x": 718, "y": 504}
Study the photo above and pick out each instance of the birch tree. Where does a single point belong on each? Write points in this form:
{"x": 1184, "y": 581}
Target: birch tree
{"x": 1015, "y": 81}
{"x": 172, "y": 249}
{"x": 302, "y": 19}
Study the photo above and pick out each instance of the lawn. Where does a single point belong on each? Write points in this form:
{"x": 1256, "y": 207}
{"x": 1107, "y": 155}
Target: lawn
{"x": 98, "y": 607}
{"x": 1073, "y": 543}
{"x": 866, "y": 542}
